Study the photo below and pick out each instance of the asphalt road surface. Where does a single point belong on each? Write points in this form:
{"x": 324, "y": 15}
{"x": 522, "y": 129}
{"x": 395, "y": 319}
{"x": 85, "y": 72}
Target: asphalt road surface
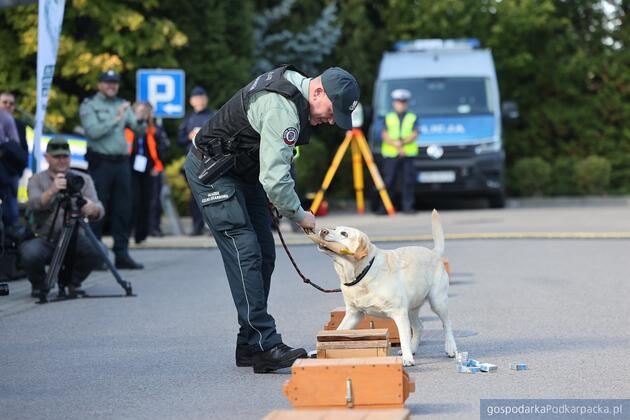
{"x": 559, "y": 305}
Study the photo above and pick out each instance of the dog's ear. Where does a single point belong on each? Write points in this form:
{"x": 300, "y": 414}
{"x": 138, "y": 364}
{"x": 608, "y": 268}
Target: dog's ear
{"x": 362, "y": 250}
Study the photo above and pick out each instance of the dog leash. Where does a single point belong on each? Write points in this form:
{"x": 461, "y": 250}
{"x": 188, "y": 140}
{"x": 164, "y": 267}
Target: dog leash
{"x": 275, "y": 218}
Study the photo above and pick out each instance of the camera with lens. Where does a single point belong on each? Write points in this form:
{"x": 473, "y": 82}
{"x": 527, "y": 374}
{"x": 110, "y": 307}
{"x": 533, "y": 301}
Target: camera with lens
{"x": 74, "y": 184}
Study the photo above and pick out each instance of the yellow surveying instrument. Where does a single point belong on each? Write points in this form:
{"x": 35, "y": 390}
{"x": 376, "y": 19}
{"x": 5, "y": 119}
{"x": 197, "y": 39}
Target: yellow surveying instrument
{"x": 360, "y": 151}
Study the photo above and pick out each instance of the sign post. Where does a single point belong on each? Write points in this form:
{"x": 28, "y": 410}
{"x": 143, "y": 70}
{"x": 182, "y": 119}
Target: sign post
{"x": 164, "y": 89}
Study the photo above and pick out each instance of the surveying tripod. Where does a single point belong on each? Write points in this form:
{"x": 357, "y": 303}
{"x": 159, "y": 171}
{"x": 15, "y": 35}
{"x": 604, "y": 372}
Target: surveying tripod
{"x": 360, "y": 151}
{"x": 73, "y": 219}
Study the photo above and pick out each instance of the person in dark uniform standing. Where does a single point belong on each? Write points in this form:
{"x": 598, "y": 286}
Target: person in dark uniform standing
{"x": 256, "y": 132}
{"x": 12, "y": 161}
{"x": 104, "y": 118}
{"x": 189, "y": 127}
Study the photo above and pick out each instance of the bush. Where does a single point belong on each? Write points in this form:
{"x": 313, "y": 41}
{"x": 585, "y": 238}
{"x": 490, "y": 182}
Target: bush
{"x": 530, "y": 176}
{"x": 180, "y": 193}
{"x": 620, "y": 174}
{"x": 593, "y": 175}
{"x": 563, "y": 179}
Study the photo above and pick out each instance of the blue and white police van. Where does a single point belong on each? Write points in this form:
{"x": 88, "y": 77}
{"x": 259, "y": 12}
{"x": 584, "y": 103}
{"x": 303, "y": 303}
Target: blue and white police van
{"x": 456, "y": 98}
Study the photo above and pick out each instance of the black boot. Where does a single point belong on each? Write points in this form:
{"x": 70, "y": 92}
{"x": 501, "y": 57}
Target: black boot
{"x": 244, "y": 356}
{"x": 124, "y": 261}
{"x": 278, "y": 357}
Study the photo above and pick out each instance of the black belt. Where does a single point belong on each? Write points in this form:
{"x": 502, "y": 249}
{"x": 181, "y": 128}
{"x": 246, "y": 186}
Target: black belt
{"x": 102, "y": 156}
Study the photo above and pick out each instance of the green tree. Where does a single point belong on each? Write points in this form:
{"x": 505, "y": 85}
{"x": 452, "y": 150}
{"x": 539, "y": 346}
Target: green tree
{"x": 564, "y": 63}
{"x": 305, "y": 47}
{"x": 218, "y": 54}
{"x": 96, "y": 35}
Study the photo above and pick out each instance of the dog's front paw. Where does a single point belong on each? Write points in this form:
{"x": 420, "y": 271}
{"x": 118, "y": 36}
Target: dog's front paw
{"x": 450, "y": 348}
{"x": 408, "y": 361}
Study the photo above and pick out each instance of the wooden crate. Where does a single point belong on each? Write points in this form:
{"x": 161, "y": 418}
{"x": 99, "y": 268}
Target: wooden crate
{"x": 340, "y": 414}
{"x": 379, "y": 382}
{"x": 335, "y": 344}
{"x": 368, "y": 322}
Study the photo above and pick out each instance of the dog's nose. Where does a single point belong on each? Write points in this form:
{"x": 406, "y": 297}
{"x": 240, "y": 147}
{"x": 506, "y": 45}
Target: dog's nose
{"x": 323, "y": 233}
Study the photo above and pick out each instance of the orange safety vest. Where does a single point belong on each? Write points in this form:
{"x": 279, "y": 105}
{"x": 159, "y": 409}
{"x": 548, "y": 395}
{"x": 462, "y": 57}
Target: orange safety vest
{"x": 151, "y": 145}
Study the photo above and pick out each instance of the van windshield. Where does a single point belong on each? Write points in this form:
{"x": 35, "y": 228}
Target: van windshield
{"x": 439, "y": 96}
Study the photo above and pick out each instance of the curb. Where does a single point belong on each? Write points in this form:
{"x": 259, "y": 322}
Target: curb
{"x": 568, "y": 202}
{"x": 182, "y": 242}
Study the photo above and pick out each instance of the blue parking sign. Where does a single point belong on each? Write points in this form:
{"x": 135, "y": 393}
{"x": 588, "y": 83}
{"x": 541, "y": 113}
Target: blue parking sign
{"x": 164, "y": 89}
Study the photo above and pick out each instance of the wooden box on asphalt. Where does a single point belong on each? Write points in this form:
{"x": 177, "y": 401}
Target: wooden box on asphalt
{"x": 338, "y": 344}
{"x": 378, "y": 382}
{"x": 368, "y": 322}
{"x": 340, "y": 414}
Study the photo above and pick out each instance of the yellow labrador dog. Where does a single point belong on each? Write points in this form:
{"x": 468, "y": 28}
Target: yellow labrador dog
{"x": 391, "y": 283}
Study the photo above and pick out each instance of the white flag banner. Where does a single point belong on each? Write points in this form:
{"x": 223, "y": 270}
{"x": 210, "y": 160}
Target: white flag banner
{"x": 48, "y": 31}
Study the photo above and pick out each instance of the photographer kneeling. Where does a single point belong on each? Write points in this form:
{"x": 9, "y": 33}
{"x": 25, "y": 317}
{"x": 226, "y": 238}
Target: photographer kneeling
{"x": 45, "y": 191}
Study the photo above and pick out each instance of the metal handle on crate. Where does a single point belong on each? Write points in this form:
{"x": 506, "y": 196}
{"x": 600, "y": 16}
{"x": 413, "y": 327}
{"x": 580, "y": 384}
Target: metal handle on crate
{"x": 349, "y": 402}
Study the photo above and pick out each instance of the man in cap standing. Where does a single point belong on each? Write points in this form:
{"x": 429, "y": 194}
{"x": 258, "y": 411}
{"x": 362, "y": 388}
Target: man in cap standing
{"x": 104, "y": 117}
{"x": 399, "y": 148}
{"x": 187, "y": 130}
{"x": 256, "y": 132}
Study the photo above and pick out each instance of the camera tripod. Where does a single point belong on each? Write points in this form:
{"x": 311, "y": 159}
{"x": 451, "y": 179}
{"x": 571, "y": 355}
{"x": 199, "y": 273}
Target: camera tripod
{"x": 360, "y": 152}
{"x": 72, "y": 221}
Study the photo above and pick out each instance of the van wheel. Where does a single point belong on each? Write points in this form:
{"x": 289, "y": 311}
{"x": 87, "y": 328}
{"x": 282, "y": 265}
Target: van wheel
{"x": 496, "y": 201}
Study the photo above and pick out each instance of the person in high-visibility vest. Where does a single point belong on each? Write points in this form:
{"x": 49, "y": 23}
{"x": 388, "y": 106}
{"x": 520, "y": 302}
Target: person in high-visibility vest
{"x": 399, "y": 148}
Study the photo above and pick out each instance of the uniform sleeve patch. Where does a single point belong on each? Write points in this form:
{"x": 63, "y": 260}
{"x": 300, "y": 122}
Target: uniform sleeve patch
{"x": 290, "y": 136}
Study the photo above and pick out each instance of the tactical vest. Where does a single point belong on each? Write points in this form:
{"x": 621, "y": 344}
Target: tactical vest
{"x": 230, "y": 123}
{"x": 398, "y": 130}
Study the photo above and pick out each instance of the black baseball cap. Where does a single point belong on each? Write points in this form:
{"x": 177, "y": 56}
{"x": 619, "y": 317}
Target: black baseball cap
{"x": 198, "y": 91}
{"x": 109, "y": 76}
{"x": 58, "y": 146}
{"x": 343, "y": 91}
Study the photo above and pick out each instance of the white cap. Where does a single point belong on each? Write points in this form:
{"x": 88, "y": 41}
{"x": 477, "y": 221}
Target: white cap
{"x": 401, "y": 95}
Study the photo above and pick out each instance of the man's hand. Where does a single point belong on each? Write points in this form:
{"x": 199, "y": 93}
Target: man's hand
{"x": 308, "y": 223}
{"x": 401, "y": 150}
{"x": 121, "y": 110}
{"x": 193, "y": 133}
{"x": 90, "y": 210}
{"x": 59, "y": 183}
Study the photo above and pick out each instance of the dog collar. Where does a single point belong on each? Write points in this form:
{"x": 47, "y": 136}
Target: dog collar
{"x": 361, "y": 275}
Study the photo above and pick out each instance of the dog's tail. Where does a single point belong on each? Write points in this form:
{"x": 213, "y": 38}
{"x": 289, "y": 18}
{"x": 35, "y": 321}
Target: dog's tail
{"x": 438, "y": 233}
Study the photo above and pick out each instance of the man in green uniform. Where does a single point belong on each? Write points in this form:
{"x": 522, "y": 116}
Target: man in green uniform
{"x": 251, "y": 141}
{"x": 104, "y": 118}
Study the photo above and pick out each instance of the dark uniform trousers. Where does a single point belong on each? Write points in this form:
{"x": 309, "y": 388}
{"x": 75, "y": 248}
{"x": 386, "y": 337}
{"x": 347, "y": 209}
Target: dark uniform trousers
{"x": 238, "y": 216}
{"x": 112, "y": 180}
{"x": 142, "y": 188}
{"x": 400, "y": 168}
